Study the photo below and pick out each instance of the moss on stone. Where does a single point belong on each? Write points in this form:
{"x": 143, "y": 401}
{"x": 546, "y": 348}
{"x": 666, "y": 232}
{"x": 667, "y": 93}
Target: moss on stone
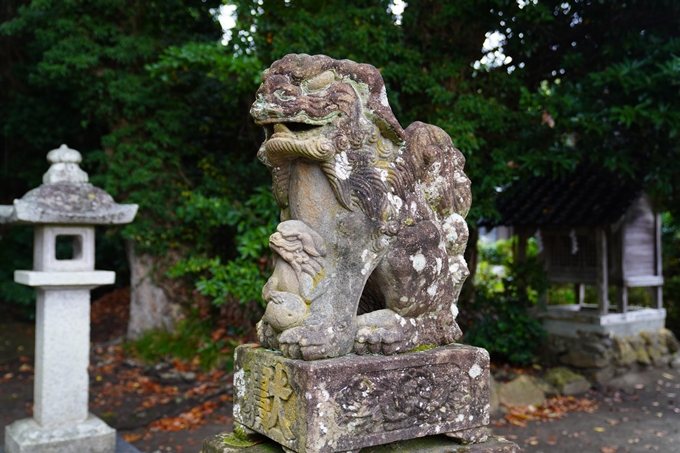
{"x": 560, "y": 376}
{"x": 240, "y": 440}
{"x": 423, "y": 347}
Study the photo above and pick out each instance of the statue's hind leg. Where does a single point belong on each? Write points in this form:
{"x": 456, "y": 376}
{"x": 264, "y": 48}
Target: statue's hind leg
{"x": 419, "y": 283}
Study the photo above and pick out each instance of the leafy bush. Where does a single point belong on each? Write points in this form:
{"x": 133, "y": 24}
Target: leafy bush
{"x": 242, "y": 277}
{"x": 16, "y": 252}
{"x": 505, "y": 291}
{"x": 670, "y": 240}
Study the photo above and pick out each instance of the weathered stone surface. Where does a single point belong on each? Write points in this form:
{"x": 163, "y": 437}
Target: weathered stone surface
{"x": 669, "y": 339}
{"x": 566, "y": 381}
{"x": 150, "y": 307}
{"x": 581, "y": 359}
{"x": 675, "y": 363}
{"x": 521, "y": 391}
{"x": 89, "y": 436}
{"x": 603, "y": 376}
{"x": 657, "y": 347}
{"x": 547, "y": 388}
{"x": 354, "y": 402}
{"x": 372, "y": 216}
{"x": 624, "y": 355}
{"x": 603, "y": 357}
{"x": 223, "y": 443}
{"x": 67, "y": 198}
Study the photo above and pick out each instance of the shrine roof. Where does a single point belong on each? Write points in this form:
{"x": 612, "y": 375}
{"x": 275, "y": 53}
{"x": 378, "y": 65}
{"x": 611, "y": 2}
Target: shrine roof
{"x": 588, "y": 196}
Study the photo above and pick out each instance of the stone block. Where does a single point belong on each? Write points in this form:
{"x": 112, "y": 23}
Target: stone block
{"x": 352, "y": 402}
{"x": 62, "y": 357}
{"x": 521, "y": 391}
{"x": 566, "y": 381}
{"x": 643, "y": 357}
{"x": 601, "y": 376}
{"x": 84, "y": 279}
{"x": 624, "y": 355}
{"x": 583, "y": 359}
{"x": 675, "y": 363}
{"x": 225, "y": 443}
{"x": 44, "y": 248}
{"x": 546, "y": 387}
{"x": 90, "y": 436}
{"x": 671, "y": 341}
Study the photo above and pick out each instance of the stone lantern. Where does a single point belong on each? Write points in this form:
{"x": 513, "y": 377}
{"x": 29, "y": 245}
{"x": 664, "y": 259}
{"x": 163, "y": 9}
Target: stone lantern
{"x": 63, "y": 209}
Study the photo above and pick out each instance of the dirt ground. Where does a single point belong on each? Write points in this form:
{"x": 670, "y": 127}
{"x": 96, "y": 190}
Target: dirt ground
{"x": 638, "y": 414}
{"x": 164, "y": 408}
{"x": 171, "y": 407}
{"x": 167, "y": 407}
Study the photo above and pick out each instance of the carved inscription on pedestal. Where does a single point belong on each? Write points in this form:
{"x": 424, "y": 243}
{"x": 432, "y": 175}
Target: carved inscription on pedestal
{"x": 276, "y": 402}
{"x": 432, "y": 395}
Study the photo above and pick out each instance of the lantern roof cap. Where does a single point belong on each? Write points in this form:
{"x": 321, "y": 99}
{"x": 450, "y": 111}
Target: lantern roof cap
{"x": 66, "y": 197}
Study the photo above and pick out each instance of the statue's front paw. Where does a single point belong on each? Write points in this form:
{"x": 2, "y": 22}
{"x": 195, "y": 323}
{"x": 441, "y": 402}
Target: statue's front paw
{"x": 384, "y": 332}
{"x": 312, "y": 344}
{"x": 267, "y": 335}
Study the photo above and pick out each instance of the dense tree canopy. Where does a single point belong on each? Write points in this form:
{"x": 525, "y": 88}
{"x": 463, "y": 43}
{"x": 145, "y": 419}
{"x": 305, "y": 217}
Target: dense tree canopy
{"x": 160, "y": 108}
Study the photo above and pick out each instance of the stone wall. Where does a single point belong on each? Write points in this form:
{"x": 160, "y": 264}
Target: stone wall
{"x": 600, "y": 357}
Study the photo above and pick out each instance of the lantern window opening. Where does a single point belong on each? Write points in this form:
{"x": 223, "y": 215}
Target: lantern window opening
{"x": 68, "y": 247}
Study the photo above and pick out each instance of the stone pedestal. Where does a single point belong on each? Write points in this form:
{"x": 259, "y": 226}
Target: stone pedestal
{"x": 352, "y": 402}
{"x": 90, "y": 435}
{"x": 61, "y": 422}
{"x": 227, "y": 443}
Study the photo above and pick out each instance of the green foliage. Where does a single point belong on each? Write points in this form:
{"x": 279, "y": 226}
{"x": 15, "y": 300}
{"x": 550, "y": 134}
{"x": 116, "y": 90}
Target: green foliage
{"x": 670, "y": 241}
{"x": 17, "y": 256}
{"x": 242, "y": 278}
{"x": 160, "y": 109}
{"x": 127, "y": 84}
{"x": 505, "y": 292}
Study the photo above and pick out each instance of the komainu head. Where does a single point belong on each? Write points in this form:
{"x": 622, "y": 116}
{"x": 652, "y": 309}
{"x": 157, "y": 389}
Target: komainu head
{"x": 387, "y": 204}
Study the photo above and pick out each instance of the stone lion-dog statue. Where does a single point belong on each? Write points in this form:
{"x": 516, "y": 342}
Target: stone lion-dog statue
{"x": 369, "y": 251}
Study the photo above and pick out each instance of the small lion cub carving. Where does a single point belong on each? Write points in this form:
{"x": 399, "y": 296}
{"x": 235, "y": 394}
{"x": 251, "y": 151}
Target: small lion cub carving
{"x": 369, "y": 251}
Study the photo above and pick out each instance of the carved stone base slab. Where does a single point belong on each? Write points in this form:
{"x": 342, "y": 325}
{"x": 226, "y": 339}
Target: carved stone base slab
{"x": 351, "y": 402}
{"x": 430, "y": 444}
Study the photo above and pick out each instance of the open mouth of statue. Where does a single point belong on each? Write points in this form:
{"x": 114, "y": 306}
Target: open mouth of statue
{"x": 292, "y": 130}
{"x": 298, "y": 139}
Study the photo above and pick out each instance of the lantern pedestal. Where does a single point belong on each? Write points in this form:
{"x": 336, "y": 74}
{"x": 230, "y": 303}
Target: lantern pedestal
{"x": 61, "y": 421}
{"x": 91, "y": 435}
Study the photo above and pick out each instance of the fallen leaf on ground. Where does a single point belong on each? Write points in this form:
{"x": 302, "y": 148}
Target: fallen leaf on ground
{"x": 599, "y": 429}
{"x": 531, "y": 441}
{"x": 607, "y": 449}
{"x": 190, "y": 420}
{"x": 131, "y": 437}
{"x": 553, "y": 409}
